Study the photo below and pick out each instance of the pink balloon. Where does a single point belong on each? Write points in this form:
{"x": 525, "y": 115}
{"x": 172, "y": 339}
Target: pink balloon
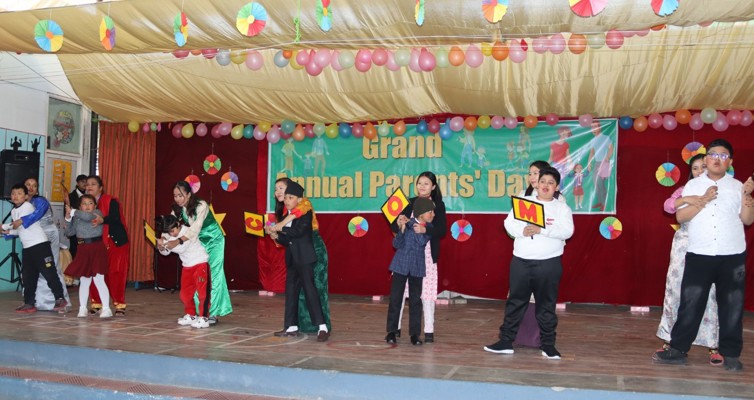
{"x": 746, "y": 118}
{"x": 209, "y": 53}
{"x": 224, "y": 129}
{"x": 721, "y": 123}
{"x": 696, "y": 123}
{"x": 627, "y": 33}
{"x": 734, "y": 117}
{"x": 643, "y": 33}
{"x": 309, "y": 131}
{"x": 540, "y": 45}
{"x": 585, "y": 120}
{"x": 654, "y": 120}
{"x": 413, "y": 63}
{"x": 145, "y": 128}
{"x": 427, "y": 60}
{"x": 551, "y": 119}
{"x": 254, "y": 60}
{"x": 511, "y": 122}
{"x": 516, "y": 53}
{"x": 497, "y": 122}
{"x": 201, "y": 130}
{"x": 363, "y": 67}
{"x": 273, "y": 136}
{"x": 334, "y": 62}
{"x": 433, "y": 126}
{"x": 364, "y": 56}
{"x": 215, "y": 131}
{"x": 474, "y": 56}
{"x": 180, "y": 53}
{"x": 614, "y": 39}
{"x": 283, "y": 135}
{"x": 391, "y": 64}
{"x": 669, "y": 122}
{"x": 313, "y": 68}
{"x": 456, "y": 124}
{"x": 322, "y": 58}
{"x": 177, "y": 131}
{"x": 379, "y": 57}
{"x": 302, "y": 57}
{"x": 357, "y": 130}
{"x": 557, "y": 43}
{"x": 258, "y": 134}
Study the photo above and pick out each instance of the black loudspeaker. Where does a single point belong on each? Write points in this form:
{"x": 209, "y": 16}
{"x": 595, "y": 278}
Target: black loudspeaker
{"x": 15, "y": 167}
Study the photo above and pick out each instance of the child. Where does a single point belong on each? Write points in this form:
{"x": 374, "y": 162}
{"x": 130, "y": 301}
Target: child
{"x": 300, "y": 260}
{"x": 536, "y": 267}
{"x": 409, "y": 265}
{"x": 578, "y": 175}
{"x": 469, "y": 146}
{"x": 560, "y": 151}
{"x": 195, "y": 265}
{"x": 289, "y": 150}
{"x": 91, "y": 262}
{"x": 36, "y": 255}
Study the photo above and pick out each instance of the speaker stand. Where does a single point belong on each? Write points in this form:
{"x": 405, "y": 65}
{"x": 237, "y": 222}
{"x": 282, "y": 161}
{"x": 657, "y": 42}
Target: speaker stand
{"x": 15, "y": 262}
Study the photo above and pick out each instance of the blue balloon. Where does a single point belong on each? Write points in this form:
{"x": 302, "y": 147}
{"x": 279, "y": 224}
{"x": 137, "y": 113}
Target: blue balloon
{"x": 280, "y": 60}
{"x": 344, "y": 130}
{"x": 248, "y": 131}
{"x": 421, "y": 127}
{"x": 626, "y": 122}
{"x": 445, "y": 132}
{"x": 287, "y": 126}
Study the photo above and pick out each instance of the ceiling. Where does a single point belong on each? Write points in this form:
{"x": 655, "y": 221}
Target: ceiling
{"x": 684, "y": 65}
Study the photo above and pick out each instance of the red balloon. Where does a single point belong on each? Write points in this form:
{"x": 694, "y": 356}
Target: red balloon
{"x": 433, "y": 126}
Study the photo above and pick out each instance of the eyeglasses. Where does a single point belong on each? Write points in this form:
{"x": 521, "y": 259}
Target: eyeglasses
{"x": 719, "y": 156}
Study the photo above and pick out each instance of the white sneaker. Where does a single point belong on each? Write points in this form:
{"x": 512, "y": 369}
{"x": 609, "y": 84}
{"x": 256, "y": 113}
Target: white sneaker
{"x": 200, "y": 322}
{"x": 186, "y": 320}
{"x": 83, "y": 312}
{"x": 106, "y": 313}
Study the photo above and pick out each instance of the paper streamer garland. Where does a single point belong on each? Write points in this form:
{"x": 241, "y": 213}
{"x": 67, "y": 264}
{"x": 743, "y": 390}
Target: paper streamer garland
{"x": 494, "y": 10}
{"x": 611, "y": 228}
{"x": 461, "y": 230}
{"x": 212, "y": 164}
{"x": 194, "y": 183}
{"x": 358, "y": 226}
{"x": 107, "y": 33}
{"x": 49, "y": 35}
{"x": 668, "y": 174}
{"x": 691, "y": 149}
{"x": 663, "y": 8}
{"x": 229, "y": 181}
{"x": 587, "y": 8}
{"x": 251, "y": 19}
{"x": 180, "y": 29}
{"x": 324, "y": 16}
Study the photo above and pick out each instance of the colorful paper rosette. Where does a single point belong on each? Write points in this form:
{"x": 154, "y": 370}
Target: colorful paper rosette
{"x": 611, "y": 228}
{"x": 668, "y": 174}
{"x": 107, "y": 33}
{"x": 324, "y": 15}
{"x": 180, "y": 29}
{"x": 691, "y": 149}
{"x": 587, "y": 8}
{"x": 419, "y": 12}
{"x": 358, "y": 226}
{"x": 229, "y": 181}
{"x": 194, "y": 183}
{"x": 212, "y": 164}
{"x": 663, "y": 8}
{"x": 49, "y": 35}
{"x": 494, "y": 10}
{"x": 251, "y": 19}
{"x": 461, "y": 230}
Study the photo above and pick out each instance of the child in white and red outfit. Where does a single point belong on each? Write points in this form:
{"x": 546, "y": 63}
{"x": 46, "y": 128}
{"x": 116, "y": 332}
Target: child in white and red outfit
{"x": 194, "y": 277}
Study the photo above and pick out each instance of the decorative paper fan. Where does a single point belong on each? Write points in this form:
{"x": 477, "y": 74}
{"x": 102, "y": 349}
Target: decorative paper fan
{"x": 107, "y": 33}
{"x": 229, "y": 181}
{"x": 251, "y": 19}
{"x": 611, "y": 228}
{"x": 730, "y": 170}
{"x": 587, "y": 8}
{"x": 692, "y": 149}
{"x": 494, "y": 10}
{"x": 180, "y": 29}
{"x": 461, "y": 230}
{"x": 664, "y": 8}
{"x": 419, "y": 12}
{"x": 49, "y": 35}
{"x": 212, "y": 164}
{"x": 358, "y": 226}
{"x": 194, "y": 183}
{"x": 324, "y": 17}
{"x": 668, "y": 174}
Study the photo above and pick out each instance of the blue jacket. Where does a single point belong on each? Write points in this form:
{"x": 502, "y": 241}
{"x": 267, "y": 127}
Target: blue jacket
{"x": 409, "y": 257}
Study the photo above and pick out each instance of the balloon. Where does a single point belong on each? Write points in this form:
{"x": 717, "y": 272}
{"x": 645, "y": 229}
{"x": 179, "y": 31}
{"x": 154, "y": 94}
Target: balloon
{"x": 399, "y": 128}
{"x": 287, "y": 54}
{"x": 237, "y": 132}
{"x": 669, "y": 122}
{"x": 248, "y": 131}
{"x": 258, "y": 134}
{"x": 516, "y": 53}
{"x": 746, "y": 118}
{"x": 302, "y": 58}
{"x": 658, "y": 27}
{"x": 369, "y": 131}
{"x": 133, "y": 126}
{"x": 357, "y": 129}
{"x": 264, "y": 126}
{"x": 499, "y": 51}
{"x": 379, "y": 57}
{"x": 383, "y": 129}
{"x": 391, "y": 64}
{"x": 201, "y": 130}
{"x": 363, "y": 67}
{"x": 176, "y": 131}
{"x": 470, "y": 123}
{"x": 298, "y": 133}
{"x": 708, "y": 115}
{"x": 474, "y": 56}
{"x": 486, "y": 49}
{"x": 524, "y": 45}
{"x": 530, "y": 121}
{"x": 577, "y": 43}
{"x": 421, "y": 127}
{"x": 456, "y": 124}
{"x": 413, "y": 62}
{"x": 483, "y": 121}
{"x": 364, "y": 56}
{"x": 223, "y": 57}
{"x": 153, "y": 127}
{"x": 683, "y": 116}
{"x": 497, "y": 122}
{"x": 187, "y": 131}
{"x": 433, "y": 126}
{"x": 180, "y": 53}
{"x": 309, "y": 131}
{"x": 238, "y": 57}
{"x": 322, "y": 58}
{"x": 402, "y": 57}
{"x": 345, "y": 59}
{"x": 441, "y": 58}
{"x": 655, "y": 120}
{"x": 445, "y": 131}
{"x": 287, "y": 126}
{"x": 145, "y": 127}
{"x": 696, "y": 123}
{"x": 254, "y": 60}
{"x": 626, "y": 122}
{"x": 215, "y": 131}
{"x": 640, "y": 124}
{"x": 642, "y": 33}
{"x": 209, "y": 53}
{"x": 275, "y": 132}
{"x": 721, "y": 123}
{"x": 331, "y": 131}
{"x": 427, "y": 60}
{"x": 225, "y": 128}
{"x": 734, "y": 117}
{"x": 273, "y": 136}
{"x": 313, "y": 69}
{"x": 596, "y": 40}
{"x": 319, "y": 129}
{"x": 614, "y": 39}
{"x": 196, "y": 52}
{"x": 557, "y": 43}
{"x": 456, "y": 56}
{"x": 511, "y": 122}
{"x": 280, "y": 60}
{"x": 540, "y": 45}
{"x": 294, "y": 63}
{"x": 344, "y": 130}
{"x": 334, "y": 62}
{"x": 552, "y": 119}
{"x": 585, "y": 120}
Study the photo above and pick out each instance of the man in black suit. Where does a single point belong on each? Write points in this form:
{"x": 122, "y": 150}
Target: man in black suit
{"x": 74, "y": 199}
{"x": 300, "y": 260}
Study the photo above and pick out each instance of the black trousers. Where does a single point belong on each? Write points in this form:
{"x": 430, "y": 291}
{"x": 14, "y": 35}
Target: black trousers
{"x": 397, "y": 287}
{"x": 301, "y": 277}
{"x": 728, "y": 273}
{"x": 538, "y": 277}
{"x": 37, "y": 260}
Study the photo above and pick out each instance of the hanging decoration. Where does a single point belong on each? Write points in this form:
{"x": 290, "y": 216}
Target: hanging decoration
{"x": 461, "y": 230}
{"x": 180, "y": 29}
{"x": 663, "y": 8}
{"x": 107, "y": 33}
{"x": 358, "y": 226}
{"x": 611, "y": 228}
{"x": 587, "y": 8}
{"x": 691, "y": 149}
{"x": 668, "y": 174}
{"x": 229, "y": 181}
{"x": 194, "y": 183}
{"x": 419, "y": 12}
{"x": 324, "y": 17}
{"x": 49, "y": 35}
{"x": 212, "y": 164}
{"x": 251, "y": 19}
{"x": 218, "y": 217}
{"x": 494, "y": 10}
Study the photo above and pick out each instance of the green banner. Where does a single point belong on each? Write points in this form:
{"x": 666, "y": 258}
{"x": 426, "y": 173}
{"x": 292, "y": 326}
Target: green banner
{"x": 478, "y": 171}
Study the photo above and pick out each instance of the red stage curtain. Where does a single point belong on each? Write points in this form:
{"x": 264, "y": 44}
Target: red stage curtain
{"x": 126, "y": 165}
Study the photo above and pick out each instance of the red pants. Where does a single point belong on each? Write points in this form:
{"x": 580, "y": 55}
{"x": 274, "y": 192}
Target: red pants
{"x": 118, "y": 260}
{"x": 194, "y": 281}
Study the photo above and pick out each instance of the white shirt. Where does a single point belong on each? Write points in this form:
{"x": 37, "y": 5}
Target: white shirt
{"x": 191, "y": 251}
{"x": 196, "y": 222}
{"x": 717, "y": 229}
{"x": 550, "y": 241}
{"x": 31, "y": 236}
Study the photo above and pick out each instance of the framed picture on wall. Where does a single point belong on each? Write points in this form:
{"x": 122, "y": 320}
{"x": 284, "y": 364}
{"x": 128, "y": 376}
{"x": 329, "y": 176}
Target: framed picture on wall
{"x": 64, "y": 128}
{"x": 60, "y": 178}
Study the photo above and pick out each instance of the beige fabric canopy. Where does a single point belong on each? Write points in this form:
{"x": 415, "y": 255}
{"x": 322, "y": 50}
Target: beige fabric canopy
{"x": 683, "y": 66}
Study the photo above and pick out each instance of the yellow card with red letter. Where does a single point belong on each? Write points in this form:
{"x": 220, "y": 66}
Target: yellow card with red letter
{"x": 394, "y": 205}
{"x": 528, "y": 211}
{"x": 149, "y": 233}
{"x": 254, "y": 223}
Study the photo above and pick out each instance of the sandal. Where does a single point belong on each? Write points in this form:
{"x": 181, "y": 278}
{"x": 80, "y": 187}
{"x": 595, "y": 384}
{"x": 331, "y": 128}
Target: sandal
{"x": 120, "y": 313}
{"x": 715, "y": 358}
{"x": 665, "y": 346}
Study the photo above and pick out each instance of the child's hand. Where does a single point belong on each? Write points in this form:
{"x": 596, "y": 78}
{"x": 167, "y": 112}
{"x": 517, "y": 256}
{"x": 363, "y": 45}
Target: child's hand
{"x": 403, "y": 227}
{"x": 419, "y": 228}
{"x": 748, "y": 186}
{"x": 278, "y": 227}
{"x": 531, "y": 230}
{"x": 17, "y": 223}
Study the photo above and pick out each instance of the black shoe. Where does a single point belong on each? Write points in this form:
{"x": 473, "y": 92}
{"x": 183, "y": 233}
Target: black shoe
{"x": 501, "y": 347}
{"x": 60, "y": 305}
{"x": 415, "y": 340}
{"x": 732, "y": 364}
{"x": 550, "y": 352}
{"x": 285, "y": 333}
{"x": 213, "y": 320}
{"x": 429, "y": 337}
{"x": 671, "y": 356}
{"x": 398, "y": 333}
{"x": 322, "y": 336}
{"x": 390, "y": 338}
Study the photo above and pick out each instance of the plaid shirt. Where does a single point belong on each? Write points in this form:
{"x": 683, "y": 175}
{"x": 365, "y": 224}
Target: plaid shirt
{"x": 409, "y": 257}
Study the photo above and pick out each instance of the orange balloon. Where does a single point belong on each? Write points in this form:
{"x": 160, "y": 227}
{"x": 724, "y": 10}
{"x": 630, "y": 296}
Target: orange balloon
{"x": 530, "y": 121}
{"x": 499, "y": 51}
{"x": 287, "y": 54}
{"x": 196, "y": 52}
{"x": 298, "y": 133}
{"x": 399, "y": 128}
{"x": 456, "y": 57}
{"x": 470, "y": 123}
{"x": 370, "y": 132}
{"x": 658, "y": 27}
{"x": 683, "y": 116}
{"x": 577, "y": 43}
{"x": 640, "y": 124}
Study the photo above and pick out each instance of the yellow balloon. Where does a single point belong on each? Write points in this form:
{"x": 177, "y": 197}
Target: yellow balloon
{"x": 237, "y": 132}
{"x": 292, "y": 60}
{"x": 133, "y": 126}
{"x": 187, "y": 131}
{"x": 238, "y": 57}
{"x": 487, "y": 49}
{"x": 483, "y": 121}
{"x": 264, "y": 126}
{"x": 332, "y": 131}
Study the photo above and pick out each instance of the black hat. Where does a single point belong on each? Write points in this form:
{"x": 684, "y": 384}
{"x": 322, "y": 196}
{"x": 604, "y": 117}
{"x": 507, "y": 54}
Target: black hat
{"x": 422, "y": 205}
{"x": 294, "y": 189}
{"x": 82, "y": 177}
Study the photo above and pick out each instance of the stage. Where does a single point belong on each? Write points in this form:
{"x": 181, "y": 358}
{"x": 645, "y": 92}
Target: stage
{"x": 606, "y": 354}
